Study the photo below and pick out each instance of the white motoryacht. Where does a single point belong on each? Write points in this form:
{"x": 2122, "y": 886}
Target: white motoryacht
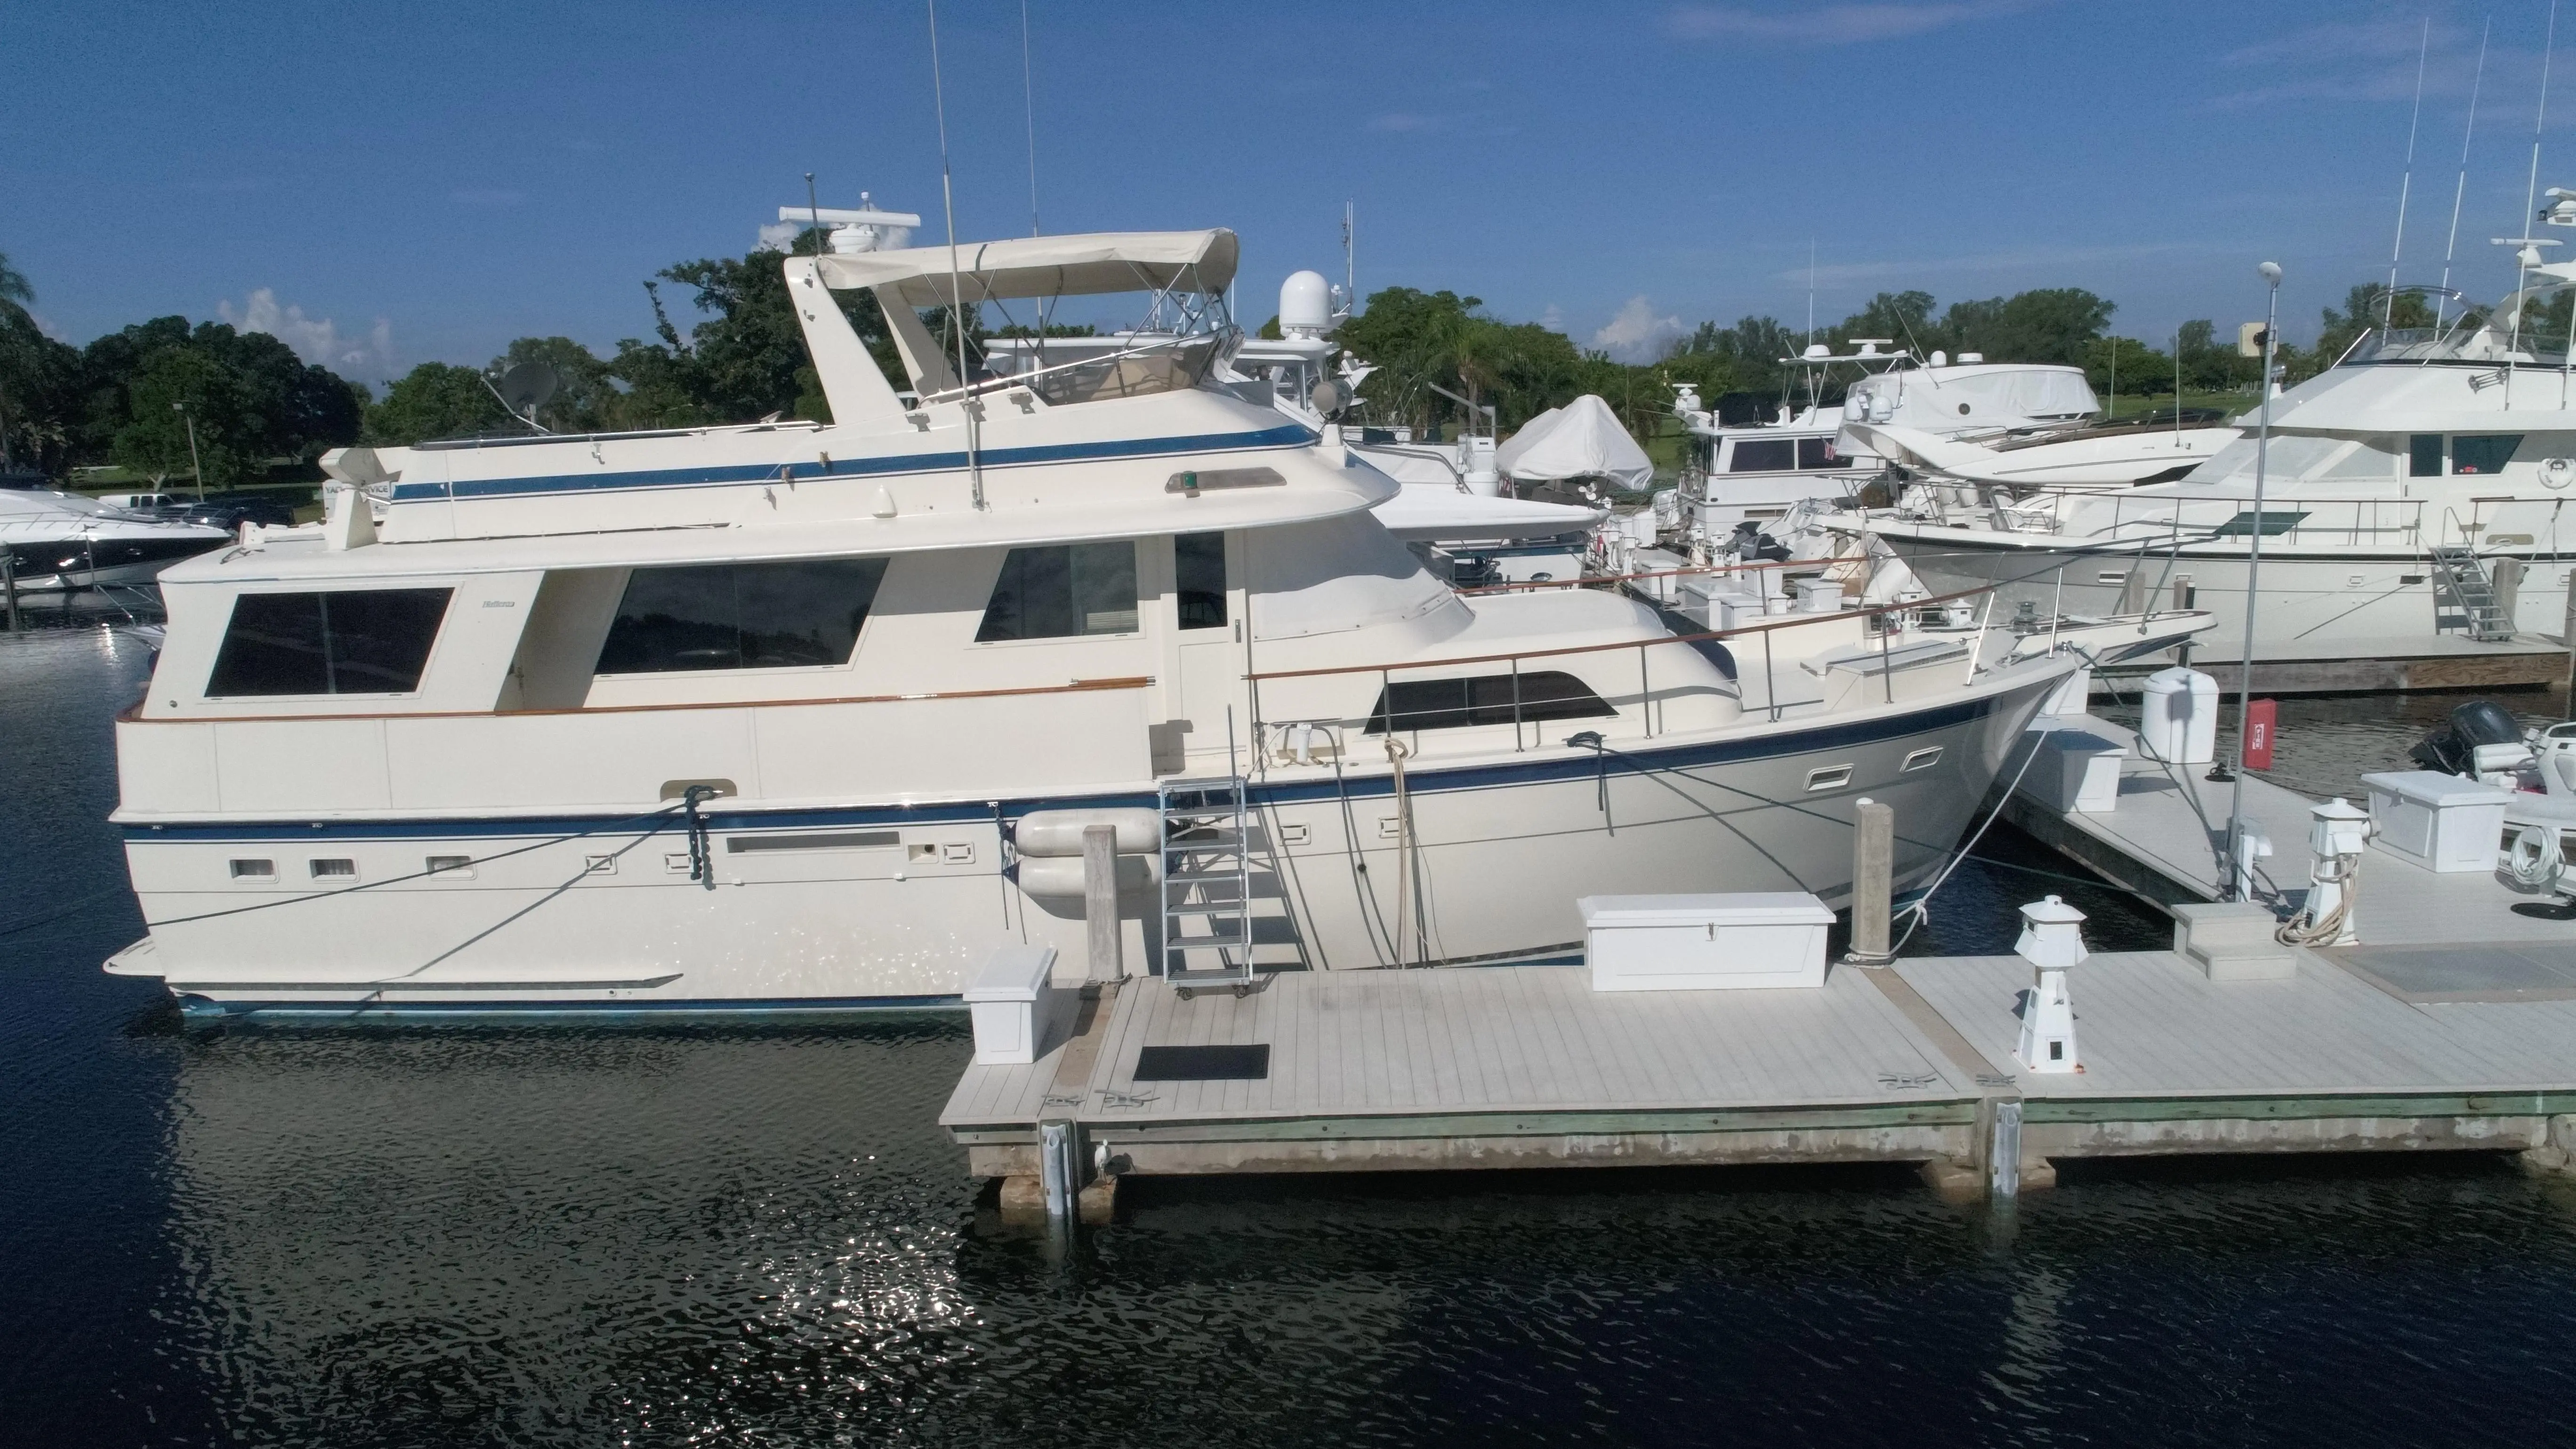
{"x": 1993, "y": 469}
{"x": 62, "y": 541}
{"x": 1738, "y": 473}
{"x": 814, "y": 716}
{"x": 2413, "y": 492}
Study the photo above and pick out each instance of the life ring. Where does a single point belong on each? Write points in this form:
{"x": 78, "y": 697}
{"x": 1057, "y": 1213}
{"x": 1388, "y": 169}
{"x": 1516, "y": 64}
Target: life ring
{"x": 2557, "y": 472}
{"x": 2534, "y": 859}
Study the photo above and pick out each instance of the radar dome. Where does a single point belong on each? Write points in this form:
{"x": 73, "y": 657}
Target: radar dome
{"x": 1305, "y": 305}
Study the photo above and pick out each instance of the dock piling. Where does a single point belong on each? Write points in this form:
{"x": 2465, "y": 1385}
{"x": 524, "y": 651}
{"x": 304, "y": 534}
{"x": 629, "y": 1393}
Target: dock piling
{"x": 1873, "y": 874}
{"x": 9, "y": 583}
{"x": 1059, "y": 1167}
{"x": 2003, "y": 1154}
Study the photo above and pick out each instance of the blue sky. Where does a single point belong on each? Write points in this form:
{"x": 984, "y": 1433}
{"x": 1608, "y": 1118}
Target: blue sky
{"x": 383, "y": 185}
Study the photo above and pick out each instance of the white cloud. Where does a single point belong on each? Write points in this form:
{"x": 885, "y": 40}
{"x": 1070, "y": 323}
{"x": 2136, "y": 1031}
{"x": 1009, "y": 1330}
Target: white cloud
{"x": 315, "y": 339}
{"x": 1851, "y": 24}
{"x": 1636, "y": 334}
{"x": 1553, "y": 319}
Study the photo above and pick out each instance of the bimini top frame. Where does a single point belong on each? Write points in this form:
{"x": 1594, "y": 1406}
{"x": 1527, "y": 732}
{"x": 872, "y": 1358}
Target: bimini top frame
{"x": 1044, "y": 266}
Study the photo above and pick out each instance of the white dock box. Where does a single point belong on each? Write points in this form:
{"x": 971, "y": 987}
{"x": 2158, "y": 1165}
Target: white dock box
{"x": 2076, "y": 772}
{"x": 2178, "y": 717}
{"x": 2440, "y": 822}
{"x": 1704, "y": 943}
{"x": 1019, "y": 1012}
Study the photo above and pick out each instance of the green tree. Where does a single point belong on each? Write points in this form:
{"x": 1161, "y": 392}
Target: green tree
{"x": 188, "y": 411}
{"x": 2124, "y": 366}
{"x": 435, "y": 400}
{"x": 276, "y": 406}
{"x": 2052, "y": 324}
{"x": 586, "y": 398}
{"x": 748, "y": 359}
{"x": 1751, "y": 351}
{"x": 40, "y": 395}
{"x": 15, "y": 291}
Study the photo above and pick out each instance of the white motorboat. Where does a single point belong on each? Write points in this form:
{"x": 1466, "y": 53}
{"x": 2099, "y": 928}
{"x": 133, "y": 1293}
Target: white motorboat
{"x": 1738, "y": 473}
{"x": 1984, "y": 471}
{"x": 814, "y": 716}
{"x": 2414, "y": 491}
{"x": 63, "y": 541}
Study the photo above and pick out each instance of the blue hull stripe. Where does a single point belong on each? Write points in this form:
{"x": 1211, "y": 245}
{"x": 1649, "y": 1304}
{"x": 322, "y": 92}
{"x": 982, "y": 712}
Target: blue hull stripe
{"x": 1419, "y": 781}
{"x": 1288, "y": 436}
{"x": 201, "y": 1008}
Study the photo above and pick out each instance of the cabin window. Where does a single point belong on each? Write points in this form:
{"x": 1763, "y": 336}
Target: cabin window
{"x": 1198, "y": 576}
{"x": 1434, "y": 704}
{"x": 1063, "y": 590}
{"x": 1763, "y": 455}
{"x": 352, "y": 641}
{"x": 1820, "y": 453}
{"x": 2424, "y": 455}
{"x": 741, "y": 616}
{"x": 2483, "y": 453}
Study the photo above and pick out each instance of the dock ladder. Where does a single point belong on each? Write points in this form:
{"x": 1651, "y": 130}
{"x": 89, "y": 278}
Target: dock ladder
{"x": 2465, "y": 578}
{"x": 1207, "y": 884}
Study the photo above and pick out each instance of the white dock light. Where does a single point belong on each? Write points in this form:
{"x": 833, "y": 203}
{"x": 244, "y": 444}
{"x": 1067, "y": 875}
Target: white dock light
{"x": 2052, "y": 941}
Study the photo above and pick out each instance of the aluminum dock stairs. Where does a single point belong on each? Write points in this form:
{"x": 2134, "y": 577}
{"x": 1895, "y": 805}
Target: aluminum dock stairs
{"x": 2459, "y": 573}
{"x": 1207, "y": 885}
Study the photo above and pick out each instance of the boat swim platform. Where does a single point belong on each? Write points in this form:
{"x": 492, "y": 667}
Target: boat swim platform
{"x": 2373, "y": 666}
{"x": 1528, "y": 1067}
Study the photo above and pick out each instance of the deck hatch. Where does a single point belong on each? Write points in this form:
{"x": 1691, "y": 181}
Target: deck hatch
{"x": 1203, "y": 1063}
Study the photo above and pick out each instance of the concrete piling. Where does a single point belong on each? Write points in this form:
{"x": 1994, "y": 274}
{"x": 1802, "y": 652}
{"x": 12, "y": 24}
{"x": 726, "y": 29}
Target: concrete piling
{"x": 1873, "y": 877}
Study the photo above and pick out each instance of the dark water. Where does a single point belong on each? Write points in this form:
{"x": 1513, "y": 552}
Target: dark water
{"x": 585, "y": 1237}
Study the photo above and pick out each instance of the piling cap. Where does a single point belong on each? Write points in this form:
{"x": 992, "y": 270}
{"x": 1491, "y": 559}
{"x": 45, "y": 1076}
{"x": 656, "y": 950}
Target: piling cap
{"x": 2050, "y": 938}
{"x": 2338, "y": 808}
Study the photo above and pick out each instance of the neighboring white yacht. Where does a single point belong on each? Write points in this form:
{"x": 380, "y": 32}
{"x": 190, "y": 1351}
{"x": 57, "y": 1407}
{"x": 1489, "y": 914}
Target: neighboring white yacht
{"x": 62, "y": 541}
{"x": 2418, "y": 489}
{"x": 1738, "y": 473}
{"x": 813, "y": 716}
{"x": 1992, "y": 469}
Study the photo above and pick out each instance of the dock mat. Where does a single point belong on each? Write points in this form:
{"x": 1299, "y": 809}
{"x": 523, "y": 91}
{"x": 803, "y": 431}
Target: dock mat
{"x": 2518, "y": 971}
{"x": 1203, "y": 1063}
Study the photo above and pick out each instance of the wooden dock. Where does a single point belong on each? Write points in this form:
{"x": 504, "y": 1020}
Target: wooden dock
{"x": 2451, "y": 1026}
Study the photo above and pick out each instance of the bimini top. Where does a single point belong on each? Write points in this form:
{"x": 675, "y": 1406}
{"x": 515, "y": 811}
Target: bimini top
{"x": 1046, "y": 266}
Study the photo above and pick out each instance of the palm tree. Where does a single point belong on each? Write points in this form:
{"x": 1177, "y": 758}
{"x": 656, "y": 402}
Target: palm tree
{"x": 13, "y": 284}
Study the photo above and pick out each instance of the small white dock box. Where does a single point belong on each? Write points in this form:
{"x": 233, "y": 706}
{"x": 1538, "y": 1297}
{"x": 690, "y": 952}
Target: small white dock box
{"x": 2178, "y": 717}
{"x": 2440, "y": 822}
{"x": 1019, "y": 1012}
{"x": 1704, "y": 943}
{"x": 2076, "y": 772}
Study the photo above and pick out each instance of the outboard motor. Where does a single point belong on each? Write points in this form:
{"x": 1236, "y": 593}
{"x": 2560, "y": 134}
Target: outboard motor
{"x": 2454, "y": 748}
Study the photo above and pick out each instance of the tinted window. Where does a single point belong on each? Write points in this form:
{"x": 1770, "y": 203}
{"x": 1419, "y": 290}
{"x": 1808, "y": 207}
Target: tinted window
{"x": 1432, "y": 704}
{"x": 1820, "y": 453}
{"x": 1763, "y": 455}
{"x": 2424, "y": 455}
{"x": 1198, "y": 566}
{"x": 357, "y": 641}
{"x": 2483, "y": 454}
{"x": 1049, "y": 593}
{"x": 741, "y": 616}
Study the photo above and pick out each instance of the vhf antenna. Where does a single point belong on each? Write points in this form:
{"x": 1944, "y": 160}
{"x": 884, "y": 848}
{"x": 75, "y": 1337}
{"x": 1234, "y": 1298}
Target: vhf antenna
{"x": 2406, "y": 185}
{"x": 2442, "y": 298}
{"x": 1029, "y": 90}
{"x": 956, "y": 286}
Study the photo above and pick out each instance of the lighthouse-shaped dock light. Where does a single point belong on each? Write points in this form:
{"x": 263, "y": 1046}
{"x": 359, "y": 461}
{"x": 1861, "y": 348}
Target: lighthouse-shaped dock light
{"x": 2051, "y": 941}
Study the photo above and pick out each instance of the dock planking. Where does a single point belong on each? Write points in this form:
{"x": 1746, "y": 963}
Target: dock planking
{"x": 2411, "y": 1040}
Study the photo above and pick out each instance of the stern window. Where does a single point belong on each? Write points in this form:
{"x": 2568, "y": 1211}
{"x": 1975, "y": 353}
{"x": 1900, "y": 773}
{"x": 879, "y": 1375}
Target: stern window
{"x": 1763, "y": 455}
{"x": 741, "y": 616}
{"x": 1434, "y": 704}
{"x": 1063, "y": 590}
{"x": 1820, "y": 453}
{"x": 2424, "y": 455}
{"x": 2483, "y": 453}
{"x": 350, "y": 641}
{"x": 1198, "y": 568}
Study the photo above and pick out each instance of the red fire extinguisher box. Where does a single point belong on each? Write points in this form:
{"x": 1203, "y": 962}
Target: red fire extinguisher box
{"x": 2261, "y": 724}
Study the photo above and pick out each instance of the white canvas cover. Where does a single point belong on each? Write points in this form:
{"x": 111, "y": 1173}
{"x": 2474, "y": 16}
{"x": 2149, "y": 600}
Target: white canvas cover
{"x": 1046, "y": 266}
{"x": 1442, "y": 512}
{"x": 1582, "y": 439}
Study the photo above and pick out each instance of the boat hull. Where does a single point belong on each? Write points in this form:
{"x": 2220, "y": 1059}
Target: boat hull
{"x": 2316, "y": 603}
{"x": 600, "y": 916}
